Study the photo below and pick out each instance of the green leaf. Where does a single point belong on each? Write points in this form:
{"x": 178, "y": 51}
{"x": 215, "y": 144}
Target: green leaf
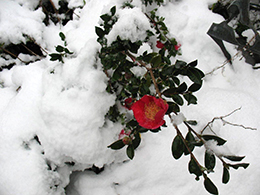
{"x": 117, "y": 145}
{"x": 195, "y": 75}
{"x": 170, "y": 92}
{"x": 177, "y": 147}
{"x": 236, "y": 166}
{"x": 173, "y": 107}
{"x": 214, "y": 137}
{"x": 105, "y": 17}
{"x": 99, "y": 31}
{"x": 189, "y": 140}
{"x": 130, "y": 151}
{"x": 225, "y": 176}
{"x": 235, "y": 158}
{"x": 67, "y": 51}
{"x": 59, "y": 48}
{"x": 178, "y": 99}
{"x": 136, "y": 142}
{"x": 182, "y": 88}
{"x": 156, "y": 61}
{"x": 56, "y": 56}
{"x": 62, "y": 36}
{"x": 149, "y": 57}
{"x": 194, "y": 87}
{"x": 192, "y": 122}
{"x": 210, "y": 186}
{"x": 210, "y": 161}
{"x": 191, "y": 99}
{"x": 193, "y": 63}
{"x": 176, "y": 80}
{"x": 113, "y": 10}
{"x": 180, "y": 64}
{"x": 194, "y": 168}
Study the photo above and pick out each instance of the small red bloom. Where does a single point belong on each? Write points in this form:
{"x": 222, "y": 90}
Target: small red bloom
{"x": 159, "y": 45}
{"x": 149, "y": 111}
{"x": 128, "y": 103}
{"x": 123, "y": 134}
{"x": 177, "y": 47}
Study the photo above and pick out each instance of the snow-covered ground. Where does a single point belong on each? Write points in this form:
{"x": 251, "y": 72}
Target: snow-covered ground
{"x": 62, "y": 106}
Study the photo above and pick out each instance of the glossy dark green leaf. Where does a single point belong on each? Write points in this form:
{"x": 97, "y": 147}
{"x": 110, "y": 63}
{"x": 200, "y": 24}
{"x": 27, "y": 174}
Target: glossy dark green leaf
{"x": 236, "y": 166}
{"x": 182, "y": 88}
{"x": 156, "y": 61}
{"x": 178, "y": 99}
{"x": 191, "y": 99}
{"x": 225, "y": 176}
{"x": 59, "y": 48}
{"x": 55, "y": 56}
{"x": 105, "y": 17}
{"x": 180, "y": 64}
{"x": 130, "y": 151}
{"x": 67, "y": 51}
{"x": 176, "y": 80}
{"x": 219, "y": 140}
{"x": 147, "y": 58}
{"x": 99, "y": 31}
{"x": 189, "y": 141}
{"x": 194, "y": 87}
{"x": 173, "y": 107}
{"x": 210, "y": 186}
{"x": 177, "y": 147}
{"x": 62, "y": 36}
{"x": 113, "y": 10}
{"x": 195, "y": 75}
{"x": 198, "y": 143}
{"x": 117, "y": 145}
{"x": 193, "y": 63}
{"x": 136, "y": 142}
{"x": 192, "y": 122}
{"x": 170, "y": 92}
{"x": 235, "y": 158}
{"x": 210, "y": 161}
{"x": 194, "y": 168}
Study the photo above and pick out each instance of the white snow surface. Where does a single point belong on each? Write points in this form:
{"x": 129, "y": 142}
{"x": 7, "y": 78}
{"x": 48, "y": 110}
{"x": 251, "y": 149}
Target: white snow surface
{"x": 64, "y": 106}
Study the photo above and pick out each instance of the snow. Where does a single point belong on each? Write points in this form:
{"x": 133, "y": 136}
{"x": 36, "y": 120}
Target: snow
{"x": 63, "y": 106}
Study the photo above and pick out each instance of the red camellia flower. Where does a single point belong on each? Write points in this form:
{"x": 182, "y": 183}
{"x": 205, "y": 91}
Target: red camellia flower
{"x": 159, "y": 45}
{"x": 149, "y": 111}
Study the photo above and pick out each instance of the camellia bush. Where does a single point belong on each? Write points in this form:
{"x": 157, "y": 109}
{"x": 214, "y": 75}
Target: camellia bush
{"x": 150, "y": 83}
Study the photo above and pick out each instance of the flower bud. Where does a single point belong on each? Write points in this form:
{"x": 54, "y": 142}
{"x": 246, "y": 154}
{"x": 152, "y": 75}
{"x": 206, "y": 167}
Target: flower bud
{"x": 127, "y": 140}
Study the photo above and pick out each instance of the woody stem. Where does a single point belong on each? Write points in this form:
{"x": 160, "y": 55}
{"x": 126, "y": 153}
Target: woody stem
{"x": 154, "y": 82}
{"x": 141, "y": 63}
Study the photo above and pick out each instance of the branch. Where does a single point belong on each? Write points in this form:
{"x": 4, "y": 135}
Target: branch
{"x": 148, "y": 69}
{"x": 226, "y": 122}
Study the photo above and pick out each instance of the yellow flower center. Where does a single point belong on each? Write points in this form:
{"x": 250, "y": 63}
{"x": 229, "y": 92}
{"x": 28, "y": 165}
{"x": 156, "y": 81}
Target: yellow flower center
{"x": 150, "y": 110}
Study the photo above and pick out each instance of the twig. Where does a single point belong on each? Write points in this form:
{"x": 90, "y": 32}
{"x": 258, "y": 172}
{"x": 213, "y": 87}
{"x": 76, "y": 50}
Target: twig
{"x": 232, "y": 59}
{"x": 37, "y": 44}
{"x": 29, "y": 50}
{"x": 226, "y": 122}
{"x": 148, "y": 69}
{"x": 10, "y": 53}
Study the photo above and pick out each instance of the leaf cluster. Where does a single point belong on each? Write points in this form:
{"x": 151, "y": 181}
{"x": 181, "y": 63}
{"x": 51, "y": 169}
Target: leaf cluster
{"x": 62, "y": 51}
{"x": 185, "y": 146}
{"x": 158, "y": 2}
